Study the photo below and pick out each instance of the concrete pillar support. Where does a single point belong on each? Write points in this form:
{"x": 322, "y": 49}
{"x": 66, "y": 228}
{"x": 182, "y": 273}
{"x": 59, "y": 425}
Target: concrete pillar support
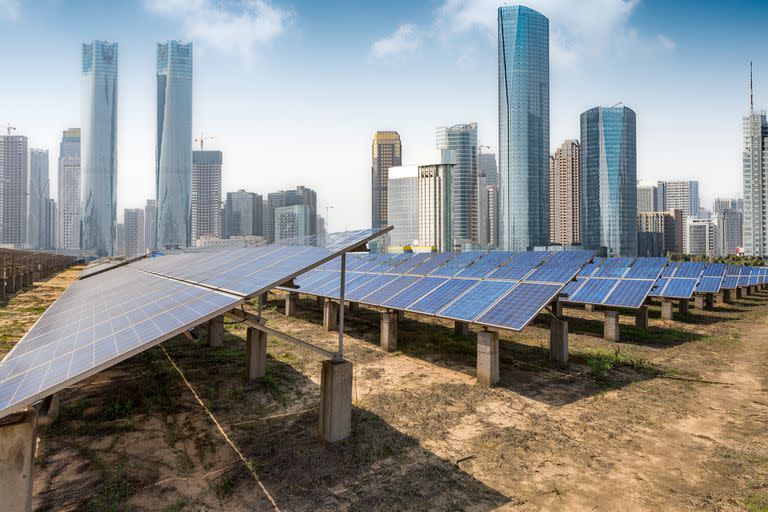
{"x": 336, "y": 400}
{"x": 739, "y": 293}
{"x": 487, "y": 358}
{"x": 589, "y": 307}
{"x": 727, "y": 297}
{"x": 17, "y": 458}
{"x": 641, "y": 318}
{"x": 461, "y": 328}
{"x": 255, "y": 354}
{"x": 558, "y": 340}
{"x": 320, "y": 300}
{"x": 330, "y": 315}
{"x": 388, "y": 338}
{"x": 698, "y": 301}
{"x": 400, "y": 314}
{"x": 353, "y": 306}
{"x": 611, "y": 330}
{"x": 709, "y": 301}
{"x": 216, "y": 331}
{"x": 291, "y": 300}
{"x": 683, "y": 307}
{"x": 666, "y": 309}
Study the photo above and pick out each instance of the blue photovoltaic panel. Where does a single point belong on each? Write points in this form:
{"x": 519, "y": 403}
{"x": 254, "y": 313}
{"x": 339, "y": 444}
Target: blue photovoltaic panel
{"x": 561, "y": 267}
{"x": 487, "y": 264}
{"x": 380, "y": 295}
{"x": 679, "y": 288}
{"x": 613, "y": 267}
{"x": 477, "y": 299}
{"x": 646, "y": 268}
{"x": 315, "y": 285}
{"x": 730, "y": 282}
{"x": 414, "y": 261}
{"x": 658, "y": 287}
{"x": 361, "y": 291}
{"x": 709, "y": 284}
{"x": 714, "y": 270}
{"x": 517, "y": 308}
{"x": 441, "y": 296}
{"x": 691, "y": 269}
{"x": 431, "y": 264}
{"x": 414, "y": 292}
{"x": 629, "y": 293}
{"x": 457, "y": 264}
{"x": 594, "y": 291}
{"x": 669, "y": 269}
{"x": 571, "y": 288}
{"x": 351, "y": 285}
{"x": 375, "y": 261}
{"x": 519, "y": 265}
{"x": 591, "y": 267}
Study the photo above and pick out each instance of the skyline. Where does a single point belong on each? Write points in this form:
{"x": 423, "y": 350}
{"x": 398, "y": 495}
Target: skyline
{"x": 260, "y": 111}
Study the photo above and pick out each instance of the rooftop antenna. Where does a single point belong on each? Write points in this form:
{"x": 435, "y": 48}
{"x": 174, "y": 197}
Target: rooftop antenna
{"x": 617, "y": 104}
{"x": 751, "y": 103}
{"x": 202, "y": 140}
{"x": 9, "y": 128}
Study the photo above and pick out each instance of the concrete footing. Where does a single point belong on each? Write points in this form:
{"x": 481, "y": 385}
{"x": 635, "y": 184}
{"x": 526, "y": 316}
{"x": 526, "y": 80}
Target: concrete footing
{"x": 589, "y": 307}
{"x": 320, "y": 300}
{"x": 17, "y": 458}
{"x": 739, "y": 293}
{"x": 724, "y": 297}
{"x": 683, "y": 306}
{"x": 216, "y": 331}
{"x": 461, "y": 328}
{"x": 255, "y": 354}
{"x": 330, "y": 315}
{"x": 666, "y": 309}
{"x": 698, "y": 301}
{"x": 335, "y": 400}
{"x": 48, "y": 410}
{"x": 487, "y": 358}
{"x": 388, "y": 337}
{"x": 611, "y": 329}
{"x": 558, "y": 340}
{"x": 291, "y": 301}
{"x": 400, "y": 314}
{"x": 641, "y": 318}
{"x": 704, "y": 301}
{"x": 353, "y": 306}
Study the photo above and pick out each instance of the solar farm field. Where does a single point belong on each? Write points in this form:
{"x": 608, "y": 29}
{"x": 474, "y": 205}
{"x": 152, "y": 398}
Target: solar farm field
{"x": 669, "y": 419}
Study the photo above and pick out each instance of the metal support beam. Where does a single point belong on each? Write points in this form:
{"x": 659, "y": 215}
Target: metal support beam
{"x": 339, "y": 356}
{"x": 251, "y": 320}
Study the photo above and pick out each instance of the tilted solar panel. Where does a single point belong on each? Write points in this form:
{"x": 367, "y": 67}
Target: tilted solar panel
{"x": 692, "y": 269}
{"x": 486, "y": 265}
{"x": 519, "y": 265}
{"x": 560, "y": 267}
{"x": 477, "y": 299}
{"x": 457, "y": 264}
{"x": 714, "y": 270}
{"x": 629, "y": 293}
{"x": 709, "y": 285}
{"x": 440, "y": 297}
{"x": 594, "y": 290}
{"x": 646, "y": 268}
{"x": 591, "y": 267}
{"x": 571, "y": 288}
{"x": 414, "y": 292}
{"x": 614, "y": 267}
{"x": 361, "y": 291}
{"x": 431, "y": 264}
{"x": 380, "y": 295}
{"x": 679, "y": 288}
{"x": 518, "y": 307}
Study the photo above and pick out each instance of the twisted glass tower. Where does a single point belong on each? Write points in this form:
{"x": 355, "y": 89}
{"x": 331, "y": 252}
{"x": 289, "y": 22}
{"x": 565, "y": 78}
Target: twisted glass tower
{"x": 608, "y": 176}
{"x": 523, "y": 127}
{"x": 173, "y": 162}
{"x": 98, "y": 148}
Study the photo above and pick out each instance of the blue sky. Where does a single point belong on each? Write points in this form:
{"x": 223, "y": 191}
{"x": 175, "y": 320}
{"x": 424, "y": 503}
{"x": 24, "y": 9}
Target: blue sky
{"x": 293, "y": 91}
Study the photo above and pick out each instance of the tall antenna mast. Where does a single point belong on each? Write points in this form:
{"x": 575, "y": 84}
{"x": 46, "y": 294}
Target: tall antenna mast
{"x": 751, "y": 104}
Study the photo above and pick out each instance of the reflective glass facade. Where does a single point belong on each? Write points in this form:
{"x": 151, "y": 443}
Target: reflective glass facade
{"x": 462, "y": 139}
{"x": 174, "y": 144}
{"x": 98, "y": 145}
{"x": 523, "y": 127}
{"x": 68, "y": 227}
{"x": 608, "y": 167}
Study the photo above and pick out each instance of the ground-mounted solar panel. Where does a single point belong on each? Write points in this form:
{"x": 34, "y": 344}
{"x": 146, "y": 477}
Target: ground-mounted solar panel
{"x": 484, "y": 266}
{"x": 437, "y": 260}
{"x": 679, "y": 288}
{"x": 441, "y": 296}
{"x": 357, "y": 293}
{"x": 714, "y": 270}
{"x": 646, "y": 268}
{"x": 570, "y": 288}
{"x": 519, "y": 265}
{"x": 477, "y": 299}
{"x": 518, "y": 307}
{"x": 658, "y": 287}
{"x": 561, "y": 267}
{"x": 690, "y": 269}
{"x": 709, "y": 285}
{"x": 316, "y": 284}
{"x": 590, "y": 268}
{"x": 613, "y": 267}
{"x": 594, "y": 290}
{"x": 629, "y": 293}
{"x": 458, "y": 263}
{"x": 380, "y": 295}
{"x": 350, "y": 284}
{"x": 412, "y": 262}
{"x": 414, "y": 292}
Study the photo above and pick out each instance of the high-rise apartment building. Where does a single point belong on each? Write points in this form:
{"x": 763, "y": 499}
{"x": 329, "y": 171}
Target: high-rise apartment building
{"x": 684, "y": 196}
{"x": 403, "y": 205}
{"x": 98, "y": 147}
{"x": 386, "y": 152}
{"x": 564, "y": 191}
{"x": 13, "y": 189}
{"x": 68, "y": 218}
{"x": 462, "y": 140}
{"x": 647, "y": 198}
{"x": 300, "y": 195}
{"x": 702, "y": 237}
{"x": 206, "y": 195}
{"x": 150, "y": 225}
{"x": 488, "y": 212}
{"x": 52, "y": 218}
{"x": 523, "y": 127}
{"x": 486, "y": 165}
{"x": 608, "y": 167}
{"x": 659, "y": 233}
{"x": 173, "y": 159}
{"x": 242, "y": 214}
{"x": 133, "y": 219}
{"x": 292, "y": 222}
{"x": 38, "y": 229}
{"x": 726, "y": 203}
{"x": 729, "y": 231}
{"x": 435, "y": 197}
{"x": 755, "y": 169}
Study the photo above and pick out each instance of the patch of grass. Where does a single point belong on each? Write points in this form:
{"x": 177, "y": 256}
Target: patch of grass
{"x": 602, "y": 363}
{"x": 226, "y": 486}
{"x": 179, "y": 505}
{"x": 277, "y": 381}
{"x": 756, "y": 503}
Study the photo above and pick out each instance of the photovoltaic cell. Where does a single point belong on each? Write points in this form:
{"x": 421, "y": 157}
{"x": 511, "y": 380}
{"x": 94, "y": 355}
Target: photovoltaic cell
{"x": 629, "y": 293}
{"x": 517, "y": 308}
{"x": 692, "y": 269}
{"x": 646, "y": 268}
{"x": 380, "y": 295}
{"x": 520, "y": 265}
{"x": 361, "y": 291}
{"x": 613, "y": 267}
{"x": 594, "y": 291}
{"x": 414, "y": 292}
{"x": 441, "y": 296}
{"x": 457, "y": 264}
{"x": 709, "y": 285}
{"x": 714, "y": 270}
{"x": 591, "y": 267}
{"x": 560, "y": 267}
{"x": 680, "y": 288}
{"x": 487, "y": 264}
{"x": 431, "y": 264}
{"x": 477, "y": 299}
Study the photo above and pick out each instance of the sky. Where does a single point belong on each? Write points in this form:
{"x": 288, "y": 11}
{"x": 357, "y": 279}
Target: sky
{"x": 292, "y": 91}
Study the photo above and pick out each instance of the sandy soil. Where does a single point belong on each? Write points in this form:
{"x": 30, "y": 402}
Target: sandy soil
{"x": 672, "y": 419}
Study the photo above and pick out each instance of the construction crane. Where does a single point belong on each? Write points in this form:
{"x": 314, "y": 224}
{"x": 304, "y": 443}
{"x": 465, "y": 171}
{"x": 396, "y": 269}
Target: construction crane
{"x": 8, "y": 128}
{"x": 202, "y": 140}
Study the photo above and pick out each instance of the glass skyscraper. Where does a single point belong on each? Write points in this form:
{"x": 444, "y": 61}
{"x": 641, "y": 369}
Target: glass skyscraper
{"x": 98, "y": 146}
{"x": 462, "y": 139}
{"x": 174, "y": 144}
{"x": 608, "y": 168}
{"x": 523, "y": 127}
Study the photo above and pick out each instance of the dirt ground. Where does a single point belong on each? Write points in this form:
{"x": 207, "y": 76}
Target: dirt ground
{"x": 672, "y": 419}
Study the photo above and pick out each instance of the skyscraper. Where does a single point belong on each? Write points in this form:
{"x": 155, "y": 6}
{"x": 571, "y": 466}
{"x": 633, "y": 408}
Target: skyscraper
{"x": 462, "y": 140}
{"x": 564, "y": 193}
{"x": 98, "y": 146}
{"x": 206, "y": 194}
{"x": 242, "y": 214}
{"x": 403, "y": 205}
{"x": 609, "y": 180}
{"x": 487, "y": 201}
{"x": 68, "y": 218}
{"x": 300, "y": 195}
{"x": 702, "y": 237}
{"x": 647, "y": 199}
{"x": 681, "y": 195}
{"x": 13, "y": 189}
{"x": 386, "y": 152}
{"x": 435, "y": 198}
{"x": 38, "y": 230}
{"x": 729, "y": 231}
{"x": 133, "y": 219}
{"x": 486, "y": 164}
{"x": 150, "y": 225}
{"x": 174, "y": 144}
{"x": 754, "y": 179}
{"x": 523, "y": 127}
{"x": 292, "y": 222}
{"x": 659, "y": 233}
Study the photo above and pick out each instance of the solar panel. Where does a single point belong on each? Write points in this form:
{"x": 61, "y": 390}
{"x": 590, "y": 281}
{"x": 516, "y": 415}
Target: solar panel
{"x": 438, "y": 298}
{"x": 646, "y": 268}
{"x": 730, "y": 282}
{"x": 680, "y": 288}
{"x": 361, "y": 291}
{"x": 411, "y": 263}
{"x": 519, "y": 265}
{"x": 517, "y": 308}
{"x": 350, "y": 284}
{"x": 383, "y": 293}
{"x": 477, "y": 299}
{"x": 560, "y": 267}
{"x": 594, "y": 291}
{"x": 714, "y": 270}
{"x": 457, "y": 264}
{"x": 571, "y": 288}
{"x": 689, "y": 269}
{"x": 613, "y": 267}
{"x": 487, "y": 264}
{"x": 709, "y": 285}
{"x": 591, "y": 267}
{"x": 432, "y": 263}
{"x": 414, "y": 292}
{"x": 629, "y": 293}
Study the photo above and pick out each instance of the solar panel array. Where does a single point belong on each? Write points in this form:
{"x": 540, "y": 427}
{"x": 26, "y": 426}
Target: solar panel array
{"x": 497, "y": 289}
{"x": 615, "y": 282}
{"x": 108, "y": 317}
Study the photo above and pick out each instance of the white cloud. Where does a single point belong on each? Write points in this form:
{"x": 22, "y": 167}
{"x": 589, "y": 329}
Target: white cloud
{"x": 10, "y": 9}
{"x": 240, "y": 25}
{"x": 666, "y": 42}
{"x": 404, "y": 39}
